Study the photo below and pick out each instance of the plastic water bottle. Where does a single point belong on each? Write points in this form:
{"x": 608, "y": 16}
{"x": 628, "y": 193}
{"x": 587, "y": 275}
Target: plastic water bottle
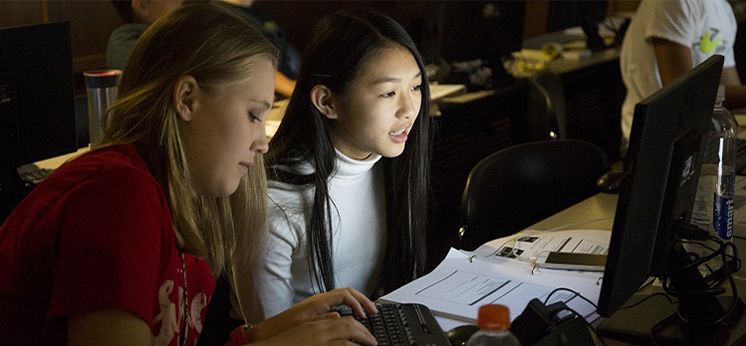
{"x": 494, "y": 325}
{"x": 713, "y": 208}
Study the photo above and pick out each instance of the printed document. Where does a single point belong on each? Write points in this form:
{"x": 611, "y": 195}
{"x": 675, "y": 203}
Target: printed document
{"x": 502, "y": 272}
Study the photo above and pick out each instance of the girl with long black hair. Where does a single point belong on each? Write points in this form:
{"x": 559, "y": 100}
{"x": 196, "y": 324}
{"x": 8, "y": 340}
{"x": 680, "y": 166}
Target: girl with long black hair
{"x": 348, "y": 170}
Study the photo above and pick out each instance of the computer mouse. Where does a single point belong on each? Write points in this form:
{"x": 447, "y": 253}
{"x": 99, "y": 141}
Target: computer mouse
{"x": 610, "y": 182}
{"x": 458, "y": 336}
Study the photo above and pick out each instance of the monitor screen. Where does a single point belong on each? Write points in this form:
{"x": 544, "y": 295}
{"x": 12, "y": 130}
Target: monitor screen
{"x": 565, "y": 14}
{"x": 660, "y": 180}
{"x": 470, "y": 30}
{"x": 37, "y": 116}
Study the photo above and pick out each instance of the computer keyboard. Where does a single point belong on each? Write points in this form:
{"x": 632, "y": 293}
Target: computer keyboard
{"x": 401, "y": 325}
{"x": 36, "y": 176}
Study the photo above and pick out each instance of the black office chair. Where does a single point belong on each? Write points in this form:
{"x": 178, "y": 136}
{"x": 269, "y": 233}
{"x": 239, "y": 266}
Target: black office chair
{"x": 547, "y": 116}
{"x": 521, "y": 185}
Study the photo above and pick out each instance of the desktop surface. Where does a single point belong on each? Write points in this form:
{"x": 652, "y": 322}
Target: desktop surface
{"x": 597, "y": 212}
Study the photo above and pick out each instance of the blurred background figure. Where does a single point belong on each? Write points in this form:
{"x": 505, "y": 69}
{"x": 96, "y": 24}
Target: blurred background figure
{"x": 137, "y": 15}
{"x": 289, "y": 66}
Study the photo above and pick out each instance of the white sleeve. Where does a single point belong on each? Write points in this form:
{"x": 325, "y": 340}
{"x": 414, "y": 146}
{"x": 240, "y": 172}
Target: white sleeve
{"x": 675, "y": 21}
{"x": 730, "y": 57}
{"x": 265, "y": 289}
{"x": 729, "y": 54}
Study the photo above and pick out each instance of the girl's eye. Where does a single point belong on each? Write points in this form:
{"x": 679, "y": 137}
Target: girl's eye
{"x": 253, "y": 118}
{"x": 417, "y": 87}
{"x": 389, "y": 94}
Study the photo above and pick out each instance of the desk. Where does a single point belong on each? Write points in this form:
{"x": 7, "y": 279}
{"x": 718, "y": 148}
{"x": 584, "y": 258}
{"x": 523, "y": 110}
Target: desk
{"x": 597, "y": 212}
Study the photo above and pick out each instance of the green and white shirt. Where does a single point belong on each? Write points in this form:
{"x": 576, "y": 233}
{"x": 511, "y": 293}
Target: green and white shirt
{"x": 708, "y": 27}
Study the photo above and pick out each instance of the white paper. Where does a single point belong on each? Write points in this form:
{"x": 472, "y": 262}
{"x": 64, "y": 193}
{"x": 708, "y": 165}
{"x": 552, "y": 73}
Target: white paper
{"x": 459, "y": 286}
{"x": 521, "y": 249}
{"x": 528, "y": 244}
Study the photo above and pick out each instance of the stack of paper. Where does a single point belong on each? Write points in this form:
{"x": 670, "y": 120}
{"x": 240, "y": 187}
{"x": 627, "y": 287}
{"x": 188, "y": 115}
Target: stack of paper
{"x": 502, "y": 272}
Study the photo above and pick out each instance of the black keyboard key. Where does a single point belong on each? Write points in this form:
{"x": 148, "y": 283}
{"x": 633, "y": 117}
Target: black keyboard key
{"x": 401, "y": 325}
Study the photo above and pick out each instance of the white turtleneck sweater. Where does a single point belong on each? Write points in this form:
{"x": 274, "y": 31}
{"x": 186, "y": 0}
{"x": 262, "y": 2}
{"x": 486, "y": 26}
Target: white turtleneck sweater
{"x": 282, "y": 278}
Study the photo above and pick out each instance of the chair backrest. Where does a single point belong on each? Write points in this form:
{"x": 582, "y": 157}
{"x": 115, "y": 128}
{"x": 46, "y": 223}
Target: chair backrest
{"x": 524, "y": 184}
{"x": 547, "y": 115}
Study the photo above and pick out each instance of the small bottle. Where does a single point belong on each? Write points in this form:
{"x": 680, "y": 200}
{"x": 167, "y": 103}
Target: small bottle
{"x": 494, "y": 327}
{"x": 713, "y": 208}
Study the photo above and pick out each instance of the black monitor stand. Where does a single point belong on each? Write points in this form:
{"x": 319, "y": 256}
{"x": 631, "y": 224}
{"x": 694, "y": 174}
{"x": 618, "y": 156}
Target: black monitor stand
{"x": 685, "y": 323}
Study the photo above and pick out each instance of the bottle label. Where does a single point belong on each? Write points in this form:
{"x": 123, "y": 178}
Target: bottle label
{"x": 722, "y": 220}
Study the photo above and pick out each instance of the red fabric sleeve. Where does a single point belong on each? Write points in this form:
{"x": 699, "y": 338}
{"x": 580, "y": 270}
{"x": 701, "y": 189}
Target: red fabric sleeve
{"x": 113, "y": 238}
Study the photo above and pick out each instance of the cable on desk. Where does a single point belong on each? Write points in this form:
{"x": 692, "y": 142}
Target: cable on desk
{"x": 713, "y": 281}
{"x": 566, "y": 308}
{"x": 658, "y": 326}
{"x": 575, "y": 294}
{"x": 729, "y": 256}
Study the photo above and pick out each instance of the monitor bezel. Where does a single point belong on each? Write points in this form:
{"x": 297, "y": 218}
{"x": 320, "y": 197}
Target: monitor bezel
{"x": 39, "y": 121}
{"x": 648, "y": 206}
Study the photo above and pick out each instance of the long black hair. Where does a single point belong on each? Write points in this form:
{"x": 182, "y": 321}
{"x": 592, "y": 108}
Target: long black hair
{"x": 341, "y": 46}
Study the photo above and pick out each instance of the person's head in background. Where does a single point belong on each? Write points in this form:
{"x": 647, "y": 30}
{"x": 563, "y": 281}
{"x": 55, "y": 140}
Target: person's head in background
{"x": 289, "y": 56}
{"x": 144, "y": 11}
{"x": 362, "y": 90}
{"x": 192, "y": 101}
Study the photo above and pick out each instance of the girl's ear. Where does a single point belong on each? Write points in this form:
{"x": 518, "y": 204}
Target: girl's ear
{"x": 185, "y": 95}
{"x": 324, "y": 101}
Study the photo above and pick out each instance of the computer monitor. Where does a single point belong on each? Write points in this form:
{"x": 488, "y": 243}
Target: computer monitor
{"x": 480, "y": 29}
{"x": 464, "y": 31}
{"x": 660, "y": 180}
{"x": 565, "y": 14}
{"x": 37, "y": 115}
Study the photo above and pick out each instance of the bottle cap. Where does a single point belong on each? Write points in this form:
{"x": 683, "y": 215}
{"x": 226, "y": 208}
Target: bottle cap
{"x": 494, "y": 317}
{"x": 721, "y": 94}
{"x": 102, "y": 78}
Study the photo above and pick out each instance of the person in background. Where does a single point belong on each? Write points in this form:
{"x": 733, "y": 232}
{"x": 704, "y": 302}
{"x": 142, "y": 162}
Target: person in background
{"x": 289, "y": 65}
{"x": 668, "y": 38}
{"x": 349, "y": 171}
{"x": 119, "y": 246}
{"x": 137, "y": 16}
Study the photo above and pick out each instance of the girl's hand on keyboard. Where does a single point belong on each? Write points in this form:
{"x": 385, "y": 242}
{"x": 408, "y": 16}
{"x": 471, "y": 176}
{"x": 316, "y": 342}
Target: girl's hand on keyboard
{"x": 324, "y": 302}
{"x": 327, "y": 329}
{"x": 317, "y": 308}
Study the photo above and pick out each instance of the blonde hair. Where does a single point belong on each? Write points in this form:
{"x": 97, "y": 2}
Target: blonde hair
{"x": 214, "y": 47}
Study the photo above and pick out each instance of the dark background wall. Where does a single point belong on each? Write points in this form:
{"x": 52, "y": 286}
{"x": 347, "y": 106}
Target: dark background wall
{"x": 91, "y": 21}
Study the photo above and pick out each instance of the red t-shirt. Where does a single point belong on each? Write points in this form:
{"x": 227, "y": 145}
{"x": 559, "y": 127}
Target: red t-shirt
{"x": 97, "y": 235}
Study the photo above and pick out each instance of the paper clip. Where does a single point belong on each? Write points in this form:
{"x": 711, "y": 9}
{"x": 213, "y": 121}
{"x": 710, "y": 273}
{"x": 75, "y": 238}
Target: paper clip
{"x": 535, "y": 270}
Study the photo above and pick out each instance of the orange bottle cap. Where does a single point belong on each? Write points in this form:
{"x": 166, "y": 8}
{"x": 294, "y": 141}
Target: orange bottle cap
{"x": 494, "y": 317}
